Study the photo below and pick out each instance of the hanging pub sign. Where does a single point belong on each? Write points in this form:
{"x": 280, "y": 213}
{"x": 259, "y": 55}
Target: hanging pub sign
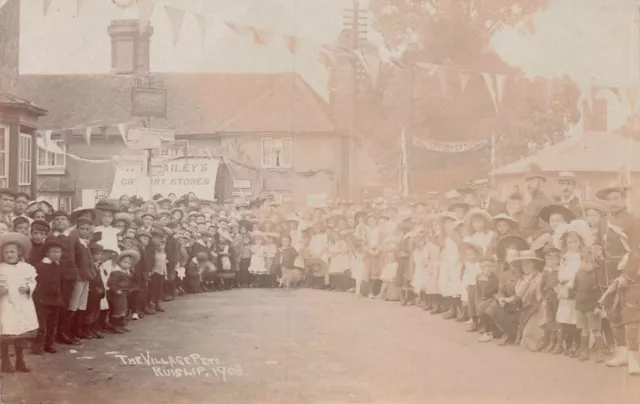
{"x": 149, "y": 102}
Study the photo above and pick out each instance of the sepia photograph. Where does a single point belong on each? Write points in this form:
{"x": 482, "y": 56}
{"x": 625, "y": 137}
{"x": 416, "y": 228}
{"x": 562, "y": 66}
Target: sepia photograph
{"x": 320, "y": 201}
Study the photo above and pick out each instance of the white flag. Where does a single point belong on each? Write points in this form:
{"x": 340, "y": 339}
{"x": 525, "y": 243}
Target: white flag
{"x": 46, "y": 4}
{"x": 488, "y": 80}
{"x": 202, "y": 23}
{"x": 176, "y": 17}
{"x": 145, "y": 10}
{"x": 430, "y": 67}
{"x": 464, "y": 79}
{"x": 501, "y": 80}
{"x": 122, "y": 128}
{"x": 87, "y": 134}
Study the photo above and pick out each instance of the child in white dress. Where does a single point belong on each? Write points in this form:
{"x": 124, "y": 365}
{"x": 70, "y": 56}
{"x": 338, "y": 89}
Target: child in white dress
{"x": 258, "y": 267}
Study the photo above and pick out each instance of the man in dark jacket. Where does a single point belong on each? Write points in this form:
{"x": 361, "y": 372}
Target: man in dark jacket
{"x": 568, "y": 198}
{"x": 60, "y": 226}
{"x": 47, "y": 296}
{"x": 530, "y": 223}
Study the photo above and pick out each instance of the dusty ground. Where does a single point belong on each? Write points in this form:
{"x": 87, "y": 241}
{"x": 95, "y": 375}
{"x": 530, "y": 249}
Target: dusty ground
{"x": 308, "y": 346}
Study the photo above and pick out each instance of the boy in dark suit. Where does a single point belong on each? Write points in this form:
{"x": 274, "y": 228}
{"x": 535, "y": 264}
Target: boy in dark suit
{"x": 60, "y": 228}
{"x": 47, "y": 296}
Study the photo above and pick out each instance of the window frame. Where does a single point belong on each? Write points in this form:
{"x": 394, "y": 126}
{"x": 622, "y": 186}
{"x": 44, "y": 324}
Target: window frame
{"x": 21, "y": 160}
{"x": 269, "y": 160}
{"x": 57, "y": 169}
{"x": 4, "y": 179}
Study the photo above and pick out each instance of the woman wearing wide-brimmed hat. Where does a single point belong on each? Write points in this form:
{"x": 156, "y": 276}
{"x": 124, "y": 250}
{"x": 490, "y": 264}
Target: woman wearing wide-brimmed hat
{"x": 18, "y": 319}
{"x": 339, "y": 261}
{"x": 478, "y": 229}
{"x": 527, "y": 293}
{"x": 258, "y": 266}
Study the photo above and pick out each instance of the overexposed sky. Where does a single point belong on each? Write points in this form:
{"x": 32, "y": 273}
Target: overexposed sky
{"x": 589, "y": 40}
{"x": 63, "y": 42}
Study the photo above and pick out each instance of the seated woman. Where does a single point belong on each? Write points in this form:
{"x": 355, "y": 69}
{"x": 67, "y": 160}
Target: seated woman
{"x": 527, "y": 293}
{"x": 504, "y": 311}
{"x": 18, "y": 319}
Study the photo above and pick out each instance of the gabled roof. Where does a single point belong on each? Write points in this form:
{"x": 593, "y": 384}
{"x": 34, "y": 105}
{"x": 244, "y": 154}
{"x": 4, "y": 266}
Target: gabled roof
{"x": 11, "y": 100}
{"x": 584, "y": 152}
{"x": 197, "y": 103}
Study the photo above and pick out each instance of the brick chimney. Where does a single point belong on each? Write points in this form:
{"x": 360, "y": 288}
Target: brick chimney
{"x": 130, "y": 47}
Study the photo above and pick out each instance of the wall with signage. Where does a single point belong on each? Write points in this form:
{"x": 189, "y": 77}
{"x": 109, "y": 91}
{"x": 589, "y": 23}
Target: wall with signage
{"x": 179, "y": 176}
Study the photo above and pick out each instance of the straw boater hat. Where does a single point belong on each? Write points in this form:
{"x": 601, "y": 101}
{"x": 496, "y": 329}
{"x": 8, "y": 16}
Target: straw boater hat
{"x": 518, "y": 242}
{"x": 604, "y": 193}
{"x": 135, "y": 255}
{"x": 547, "y": 211}
{"x": 458, "y": 205}
{"x": 487, "y": 258}
{"x": 534, "y": 171}
{"x": 567, "y": 176}
{"x": 475, "y": 212}
{"x": 258, "y": 234}
{"x": 528, "y": 255}
{"x": 143, "y": 233}
{"x": 152, "y": 214}
{"x": 123, "y": 217}
{"x": 22, "y": 241}
{"x": 548, "y": 249}
{"x": 163, "y": 200}
{"x": 271, "y": 234}
{"x": 82, "y": 210}
{"x": 473, "y": 246}
{"x": 595, "y": 205}
{"x": 579, "y": 226}
{"x": 293, "y": 218}
{"x": 106, "y": 206}
{"x": 448, "y": 216}
{"x": 505, "y": 218}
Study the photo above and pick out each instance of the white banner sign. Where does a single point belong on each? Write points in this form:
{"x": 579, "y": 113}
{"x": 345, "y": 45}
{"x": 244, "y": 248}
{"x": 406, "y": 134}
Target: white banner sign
{"x": 448, "y": 147}
{"x": 179, "y": 176}
{"x": 91, "y": 196}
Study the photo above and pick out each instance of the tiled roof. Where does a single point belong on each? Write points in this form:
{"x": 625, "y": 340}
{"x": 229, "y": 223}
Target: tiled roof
{"x": 585, "y": 152}
{"x": 14, "y": 100}
{"x": 197, "y": 103}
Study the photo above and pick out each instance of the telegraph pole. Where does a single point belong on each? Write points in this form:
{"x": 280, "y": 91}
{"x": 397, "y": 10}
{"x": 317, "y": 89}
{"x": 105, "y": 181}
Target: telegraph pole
{"x": 355, "y": 23}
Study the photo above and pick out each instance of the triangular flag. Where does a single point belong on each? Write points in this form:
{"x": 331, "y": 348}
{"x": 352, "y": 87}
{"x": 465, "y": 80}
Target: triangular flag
{"x": 47, "y": 137}
{"x": 122, "y": 128}
{"x": 501, "y": 80}
{"x": 202, "y": 23}
{"x": 464, "y": 79}
{"x": 237, "y": 28}
{"x": 260, "y": 37}
{"x": 291, "y": 42}
{"x": 430, "y": 67}
{"x": 489, "y": 82}
{"x": 176, "y": 17}
{"x": 87, "y": 134}
{"x": 442, "y": 77}
{"x": 145, "y": 10}
{"x": 103, "y": 131}
{"x": 46, "y": 4}
{"x": 78, "y": 7}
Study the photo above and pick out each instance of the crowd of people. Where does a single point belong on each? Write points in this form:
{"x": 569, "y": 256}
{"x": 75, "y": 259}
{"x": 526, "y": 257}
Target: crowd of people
{"x": 551, "y": 274}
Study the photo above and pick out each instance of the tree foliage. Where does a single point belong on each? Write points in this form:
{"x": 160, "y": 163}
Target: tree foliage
{"x": 456, "y": 35}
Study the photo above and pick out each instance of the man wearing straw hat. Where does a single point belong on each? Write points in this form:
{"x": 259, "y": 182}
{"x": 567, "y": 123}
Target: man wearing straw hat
{"x": 567, "y": 181}
{"x": 530, "y": 222}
